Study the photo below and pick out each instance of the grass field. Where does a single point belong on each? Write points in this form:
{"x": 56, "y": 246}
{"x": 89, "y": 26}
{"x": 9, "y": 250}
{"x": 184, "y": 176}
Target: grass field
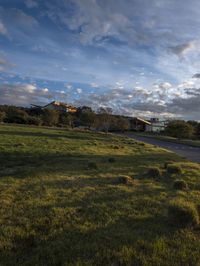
{"x": 57, "y": 209}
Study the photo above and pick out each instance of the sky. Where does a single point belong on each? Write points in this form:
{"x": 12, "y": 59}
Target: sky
{"x": 139, "y": 57}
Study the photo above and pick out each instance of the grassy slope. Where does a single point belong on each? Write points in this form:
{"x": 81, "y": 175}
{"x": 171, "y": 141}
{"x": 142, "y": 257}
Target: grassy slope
{"x": 54, "y": 211}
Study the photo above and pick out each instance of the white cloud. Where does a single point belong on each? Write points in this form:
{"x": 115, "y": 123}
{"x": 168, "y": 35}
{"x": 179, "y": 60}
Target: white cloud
{"x": 3, "y": 29}
{"x": 79, "y": 90}
{"x": 94, "y": 85}
{"x": 31, "y": 3}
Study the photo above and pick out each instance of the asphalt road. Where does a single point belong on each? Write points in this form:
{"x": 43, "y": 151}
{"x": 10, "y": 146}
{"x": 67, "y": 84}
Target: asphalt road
{"x": 191, "y": 153}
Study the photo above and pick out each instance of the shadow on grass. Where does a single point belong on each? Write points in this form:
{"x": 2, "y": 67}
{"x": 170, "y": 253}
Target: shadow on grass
{"x": 99, "y": 246}
{"x": 22, "y": 164}
{"x": 76, "y": 135}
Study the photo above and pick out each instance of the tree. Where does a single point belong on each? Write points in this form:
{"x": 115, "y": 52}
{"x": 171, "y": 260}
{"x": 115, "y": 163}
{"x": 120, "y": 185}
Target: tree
{"x": 198, "y": 130}
{"x": 15, "y": 115}
{"x": 87, "y": 119}
{"x": 66, "y": 119}
{"x": 122, "y": 124}
{"x": 2, "y": 116}
{"x": 104, "y": 118}
{"x": 179, "y": 129}
{"x": 50, "y": 117}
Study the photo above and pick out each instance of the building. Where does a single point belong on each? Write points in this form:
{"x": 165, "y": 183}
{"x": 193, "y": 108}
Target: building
{"x": 142, "y": 125}
{"x": 157, "y": 125}
{"x": 58, "y": 106}
{"x": 139, "y": 124}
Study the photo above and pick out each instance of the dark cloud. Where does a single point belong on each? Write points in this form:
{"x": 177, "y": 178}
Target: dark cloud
{"x": 196, "y": 76}
{"x": 181, "y": 49}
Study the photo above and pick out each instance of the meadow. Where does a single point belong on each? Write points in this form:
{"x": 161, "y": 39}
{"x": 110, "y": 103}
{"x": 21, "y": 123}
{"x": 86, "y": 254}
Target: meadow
{"x": 63, "y": 201}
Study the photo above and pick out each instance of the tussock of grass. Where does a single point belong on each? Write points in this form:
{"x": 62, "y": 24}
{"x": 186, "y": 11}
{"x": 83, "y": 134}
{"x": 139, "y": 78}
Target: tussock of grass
{"x": 127, "y": 180}
{"x": 154, "y": 172}
{"x": 183, "y": 214}
{"x": 174, "y": 169}
{"x": 180, "y": 185}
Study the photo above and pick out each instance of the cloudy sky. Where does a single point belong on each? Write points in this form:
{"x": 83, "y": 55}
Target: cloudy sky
{"x": 140, "y": 57}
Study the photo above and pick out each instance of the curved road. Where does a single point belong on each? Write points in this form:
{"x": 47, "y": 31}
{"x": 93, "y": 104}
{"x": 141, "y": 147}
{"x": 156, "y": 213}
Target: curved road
{"x": 191, "y": 153}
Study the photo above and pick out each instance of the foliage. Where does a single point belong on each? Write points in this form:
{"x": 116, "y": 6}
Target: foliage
{"x": 66, "y": 119}
{"x": 17, "y": 116}
{"x": 2, "y": 116}
{"x": 50, "y": 117}
{"x": 180, "y": 129}
{"x": 34, "y": 120}
{"x": 87, "y": 119}
{"x": 183, "y": 214}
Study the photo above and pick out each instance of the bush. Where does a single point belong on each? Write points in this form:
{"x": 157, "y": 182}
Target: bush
{"x": 154, "y": 172}
{"x": 183, "y": 214}
{"x": 111, "y": 160}
{"x": 50, "y": 117}
{"x": 16, "y": 116}
{"x": 180, "y": 185}
{"x": 34, "y": 120}
{"x": 179, "y": 129}
{"x": 174, "y": 169}
{"x": 92, "y": 165}
{"x": 2, "y": 116}
{"x": 124, "y": 179}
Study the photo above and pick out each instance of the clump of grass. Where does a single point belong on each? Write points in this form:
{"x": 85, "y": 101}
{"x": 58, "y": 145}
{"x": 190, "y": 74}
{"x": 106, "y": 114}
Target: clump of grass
{"x": 183, "y": 214}
{"x": 154, "y": 172}
{"x": 116, "y": 147}
{"x": 174, "y": 169}
{"x": 92, "y": 165}
{"x": 180, "y": 185}
{"x": 124, "y": 179}
{"x": 141, "y": 144}
{"x": 111, "y": 160}
{"x": 167, "y": 163}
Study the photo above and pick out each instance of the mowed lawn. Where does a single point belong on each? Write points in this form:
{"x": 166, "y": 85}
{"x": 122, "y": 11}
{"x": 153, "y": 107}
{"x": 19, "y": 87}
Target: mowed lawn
{"x": 55, "y": 209}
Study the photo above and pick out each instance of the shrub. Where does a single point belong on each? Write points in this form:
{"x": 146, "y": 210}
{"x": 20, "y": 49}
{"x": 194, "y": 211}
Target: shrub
{"x": 2, "y": 116}
{"x": 92, "y": 165}
{"x": 180, "y": 184}
{"x": 183, "y": 214}
{"x": 174, "y": 169}
{"x": 154, "y": 172}
{"x": 111, "y": 160}
{"x": 16, "y": 116}
{"x": 50, "y": 117}
{"x": 124, "y": 179}
{"x": 34, "y": 120}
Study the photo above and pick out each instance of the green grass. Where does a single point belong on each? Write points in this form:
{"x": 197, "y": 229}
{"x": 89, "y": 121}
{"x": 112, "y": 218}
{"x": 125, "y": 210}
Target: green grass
{"x": 55, "y": 210}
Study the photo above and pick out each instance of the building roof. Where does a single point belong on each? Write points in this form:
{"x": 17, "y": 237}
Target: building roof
{"x": 59, "y": 104}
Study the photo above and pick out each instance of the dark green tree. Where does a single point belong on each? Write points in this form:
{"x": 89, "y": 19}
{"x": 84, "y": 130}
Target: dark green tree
{"x": 180, "y": 129}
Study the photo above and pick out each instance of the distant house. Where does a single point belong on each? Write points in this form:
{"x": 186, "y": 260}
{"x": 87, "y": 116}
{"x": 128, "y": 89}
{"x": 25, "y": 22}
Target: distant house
{"x": 142, "y": 125}
{"x": 139, "y": 124}
{"x": 157, "y": 125}
{"x": 58, "y": 106}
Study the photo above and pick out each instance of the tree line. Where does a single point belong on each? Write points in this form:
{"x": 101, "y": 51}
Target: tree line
{"x": 85, "y": 117}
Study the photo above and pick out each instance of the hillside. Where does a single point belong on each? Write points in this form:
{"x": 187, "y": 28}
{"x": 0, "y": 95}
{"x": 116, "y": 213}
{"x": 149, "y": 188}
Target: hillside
{"x": 63, "y": 201}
